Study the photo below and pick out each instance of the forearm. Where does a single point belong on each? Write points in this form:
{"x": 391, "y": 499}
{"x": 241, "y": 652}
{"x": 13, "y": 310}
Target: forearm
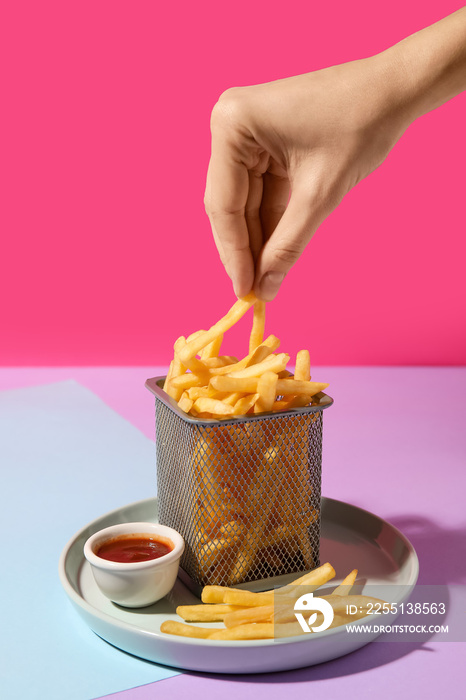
{"x": 429, "y": 67}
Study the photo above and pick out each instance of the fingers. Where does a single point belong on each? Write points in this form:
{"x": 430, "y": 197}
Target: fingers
{"x": 286, "y": 244}
{"x": 232, "y": 201}
{"x": 253, "y": 213}
{"x": 226, "y": 197}
{"x": 276, "y": 192}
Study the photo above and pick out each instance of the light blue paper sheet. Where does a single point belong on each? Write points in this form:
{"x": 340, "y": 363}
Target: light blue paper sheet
{"x": 66, "y": 458}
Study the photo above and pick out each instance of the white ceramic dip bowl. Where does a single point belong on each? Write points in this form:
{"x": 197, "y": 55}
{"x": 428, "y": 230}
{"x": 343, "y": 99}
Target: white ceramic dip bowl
{"x": 135, "y": 584}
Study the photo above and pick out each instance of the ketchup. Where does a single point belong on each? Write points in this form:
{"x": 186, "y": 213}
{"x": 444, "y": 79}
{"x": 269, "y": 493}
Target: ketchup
{"x": 132, "y": 548}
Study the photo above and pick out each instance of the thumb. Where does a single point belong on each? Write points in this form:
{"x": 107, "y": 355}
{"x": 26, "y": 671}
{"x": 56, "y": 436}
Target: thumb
{"x": 286, "y": 244}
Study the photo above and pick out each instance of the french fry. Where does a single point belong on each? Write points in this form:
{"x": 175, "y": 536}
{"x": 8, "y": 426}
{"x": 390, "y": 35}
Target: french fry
{"x": 272, "y": 363}
{"x": 244, "y": 616}
{"x": 182, "y": 630}
{"x": 234, "y": 314}
{"x": 186, "y": 381}
{"x": 196, "y": 365}
{"x": 266, "y": 392}
{"x": 293, "y": 402}
{"x": 264, "y": 350}
{"x": 230, "y": 533}
{"x": 303, "y": 366}
{"x": 216, "y": 362}
{"x": 259, "y": 500}
{"x": 176, "y": 369}
{"x": 193, "y": 336}
{"x": 213, "y": 406}
{"x": 258, "y": 325}
{"x": 232, "y": 400}
{"x": 237, "y": 596}
{"x": 195, "y": 392}
{"x": 347, "y": 584}
{"x": 312, "y": 580}
{"x": 246, "y": 385}
{"x": 234, "y": 529}
{"x": 215, "y": 594}
{"x": 212, "y": 551}
{"x": 185, "y": 403}
{"x": 299, "y": 498}
{"x": 294, "y": 387}
{"x": 205, "y": 613}
{"x": 245, "y": 403}
{"x": 212, "y": 349}
{"x": 168, "y": 377}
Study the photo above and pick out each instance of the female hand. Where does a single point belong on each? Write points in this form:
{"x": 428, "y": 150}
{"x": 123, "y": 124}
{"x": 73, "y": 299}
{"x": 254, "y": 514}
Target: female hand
{"x": 285, "y": 153}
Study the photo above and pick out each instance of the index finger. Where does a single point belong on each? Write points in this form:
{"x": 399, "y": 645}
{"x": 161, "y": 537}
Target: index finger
{"x": 226, "y": 196}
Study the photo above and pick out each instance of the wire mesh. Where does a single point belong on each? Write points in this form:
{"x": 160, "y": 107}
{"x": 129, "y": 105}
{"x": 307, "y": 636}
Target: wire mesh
{"x": 245, "y": 495}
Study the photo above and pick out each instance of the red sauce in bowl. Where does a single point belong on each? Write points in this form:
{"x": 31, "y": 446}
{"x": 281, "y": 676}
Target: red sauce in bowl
{"x": 132, "y": 548}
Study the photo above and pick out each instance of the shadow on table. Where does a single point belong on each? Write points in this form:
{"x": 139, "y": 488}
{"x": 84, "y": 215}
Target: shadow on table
{"x": 441, "y": 550}
{"x": 442, "y": 559}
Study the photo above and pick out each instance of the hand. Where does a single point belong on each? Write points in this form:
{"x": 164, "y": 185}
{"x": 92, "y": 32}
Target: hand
{"x": 285, "y": 153}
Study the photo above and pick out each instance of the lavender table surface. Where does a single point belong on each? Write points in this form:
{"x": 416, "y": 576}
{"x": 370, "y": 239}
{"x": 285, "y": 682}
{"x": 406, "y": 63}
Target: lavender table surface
{"x": 394, "y": 444}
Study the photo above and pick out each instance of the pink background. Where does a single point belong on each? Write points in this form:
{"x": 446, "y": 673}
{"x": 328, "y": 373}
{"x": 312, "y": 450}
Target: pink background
{"x": 106, "y": 254}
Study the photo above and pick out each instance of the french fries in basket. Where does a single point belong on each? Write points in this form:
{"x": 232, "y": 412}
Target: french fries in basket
{"x": 268, "y": 615}
{"x": 251, "y": 496}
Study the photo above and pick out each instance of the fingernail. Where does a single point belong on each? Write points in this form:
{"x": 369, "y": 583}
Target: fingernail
{"x": 239, "y": 290}
{"x": 270, "y": 284}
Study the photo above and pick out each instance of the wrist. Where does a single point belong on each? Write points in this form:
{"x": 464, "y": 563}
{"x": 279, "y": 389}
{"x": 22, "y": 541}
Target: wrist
{"x": 428, "y": 68}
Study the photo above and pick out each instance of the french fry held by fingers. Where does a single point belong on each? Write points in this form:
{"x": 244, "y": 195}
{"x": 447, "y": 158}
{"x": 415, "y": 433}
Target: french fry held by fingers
{"x": 189, "y": 352}
{"x": 258, "y": 325}
{"x": 197, "y": 364}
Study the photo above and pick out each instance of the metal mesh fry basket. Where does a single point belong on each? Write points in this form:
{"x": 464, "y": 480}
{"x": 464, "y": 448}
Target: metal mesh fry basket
{"x": 244, "y": 492}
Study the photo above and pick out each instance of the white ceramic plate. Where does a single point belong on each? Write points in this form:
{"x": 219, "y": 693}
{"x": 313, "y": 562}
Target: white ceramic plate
{"x": 351, "y": 538}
